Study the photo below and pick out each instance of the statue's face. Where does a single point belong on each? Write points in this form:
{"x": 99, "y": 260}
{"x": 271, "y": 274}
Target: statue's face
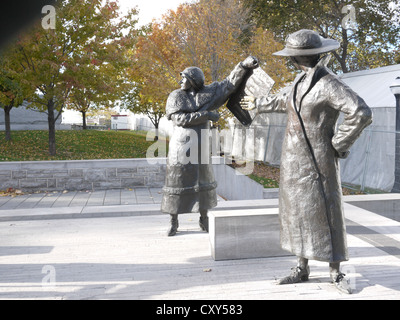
{"x": 305, "y": 61}
{"x": 185, "y": 84}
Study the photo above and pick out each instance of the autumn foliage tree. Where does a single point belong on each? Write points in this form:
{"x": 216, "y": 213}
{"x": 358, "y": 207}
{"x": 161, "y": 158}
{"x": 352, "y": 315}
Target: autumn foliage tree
{"x": 100, "y": 80}
{"x": 151, "y": 74}
{"x": 208, "y": 34}
{"x": 12, "y": 90}
{"x": 371, "y": 44}
{"x": 213, "y": 35}
{"x": 67, "y": 62}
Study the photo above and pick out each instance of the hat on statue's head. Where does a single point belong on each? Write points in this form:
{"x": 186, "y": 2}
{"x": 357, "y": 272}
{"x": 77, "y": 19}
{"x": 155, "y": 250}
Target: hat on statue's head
{"x": 307, "y": 43}
{"x": 195, "y": 77}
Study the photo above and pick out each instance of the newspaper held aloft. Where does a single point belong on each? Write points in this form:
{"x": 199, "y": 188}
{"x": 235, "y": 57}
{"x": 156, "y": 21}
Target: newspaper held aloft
{"x": 257, "y": 83}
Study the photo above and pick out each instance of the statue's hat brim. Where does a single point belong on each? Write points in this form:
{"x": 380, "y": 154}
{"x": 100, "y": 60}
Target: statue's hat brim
{"x": 328, "y": 45}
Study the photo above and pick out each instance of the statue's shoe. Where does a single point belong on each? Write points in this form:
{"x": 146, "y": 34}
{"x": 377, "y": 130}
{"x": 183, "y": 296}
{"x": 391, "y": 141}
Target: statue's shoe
{"x": 203, "y": 223}
{"x": 174, "y": 227}
{"x": 298, "y": 275}
{"x": 341, "y": 283}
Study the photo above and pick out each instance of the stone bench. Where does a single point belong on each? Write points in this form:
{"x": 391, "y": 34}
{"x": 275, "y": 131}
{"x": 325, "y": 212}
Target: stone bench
{"x": 244, "y": 234}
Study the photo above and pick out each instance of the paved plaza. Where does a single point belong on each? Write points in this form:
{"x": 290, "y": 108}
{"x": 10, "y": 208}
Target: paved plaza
{"x": 82, "y": 198}
{"x": 113, "y": 245}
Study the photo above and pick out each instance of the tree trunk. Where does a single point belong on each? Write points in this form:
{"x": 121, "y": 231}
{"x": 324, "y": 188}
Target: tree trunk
{"x": 7, "y": 122}
{"x": 156, "y": 137}
{"x": 52, "y": 127}
{"x": 156, "y": 126}
{"x": 155, "y": 120}
{"x": 83, "y": 120}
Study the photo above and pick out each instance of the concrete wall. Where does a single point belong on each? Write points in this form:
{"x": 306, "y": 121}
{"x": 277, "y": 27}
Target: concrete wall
{"x": 233, "y": 185}
{"x": 80, "y": 175}
{"x": 386, "y": 205}
{"x": 114, "y": 174}
{"x": 22, "y": 118}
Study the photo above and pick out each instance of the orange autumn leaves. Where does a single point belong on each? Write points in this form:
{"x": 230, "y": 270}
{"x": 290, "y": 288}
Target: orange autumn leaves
{"x": 210, "y": 34}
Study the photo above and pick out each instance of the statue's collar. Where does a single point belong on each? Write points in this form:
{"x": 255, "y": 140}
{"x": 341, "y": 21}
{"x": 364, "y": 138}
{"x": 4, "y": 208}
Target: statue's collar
{"x": 308, "y": 75}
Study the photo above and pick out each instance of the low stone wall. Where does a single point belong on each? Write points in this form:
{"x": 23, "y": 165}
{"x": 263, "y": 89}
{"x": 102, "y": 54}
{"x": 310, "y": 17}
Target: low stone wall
{"x": 77, "y": 175}
{"x": 233, "y": 185}
{"x": 81, "y": 174}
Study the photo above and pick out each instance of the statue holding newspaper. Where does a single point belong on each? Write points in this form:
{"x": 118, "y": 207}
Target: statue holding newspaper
{"x": 310, "y": 200}
{"x": 189, "y": 184}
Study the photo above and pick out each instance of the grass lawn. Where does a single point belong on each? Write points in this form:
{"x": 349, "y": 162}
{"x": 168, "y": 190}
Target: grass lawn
{"x": 73, "y": 145}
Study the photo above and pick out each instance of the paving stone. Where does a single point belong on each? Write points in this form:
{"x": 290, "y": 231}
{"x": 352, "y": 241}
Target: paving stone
{"x": 64, "y": 199}
{"x": 48, "y": 200}
{"x": 4, "y": 200}
{"x": 80, "y": 199}
{"x": 132, "y": 258}
{"x": 14, "y": 202}
{"x": 112, "y": 197}
{"x": 96, "y": 198}
{"x": 128, "y": 197}
{"x": 31, "y": 202}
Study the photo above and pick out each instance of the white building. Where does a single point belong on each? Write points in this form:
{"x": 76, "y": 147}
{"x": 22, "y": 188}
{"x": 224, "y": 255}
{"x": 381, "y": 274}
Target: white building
{"x": 23, "y": 118}
{"x": 71, "y": 117}
{"x": 121, "y": 122}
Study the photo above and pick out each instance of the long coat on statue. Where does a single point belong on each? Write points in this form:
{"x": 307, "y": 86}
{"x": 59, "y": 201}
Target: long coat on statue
{"x": 190, "y": 185}
{"x": 310, "y": 201}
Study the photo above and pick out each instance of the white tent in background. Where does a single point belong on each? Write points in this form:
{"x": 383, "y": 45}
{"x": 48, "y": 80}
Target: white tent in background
{"x": 371, "y": 161}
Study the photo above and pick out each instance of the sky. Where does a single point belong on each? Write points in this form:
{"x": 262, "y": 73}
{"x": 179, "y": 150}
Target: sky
{"x": 149, "y": 9}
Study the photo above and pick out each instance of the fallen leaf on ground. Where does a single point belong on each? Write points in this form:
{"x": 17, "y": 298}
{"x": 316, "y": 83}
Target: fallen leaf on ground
{"x": 11, "y": 192}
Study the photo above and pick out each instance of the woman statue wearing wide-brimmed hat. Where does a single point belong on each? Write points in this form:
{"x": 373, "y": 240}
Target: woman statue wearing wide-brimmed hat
{"x": 310, "y": 203}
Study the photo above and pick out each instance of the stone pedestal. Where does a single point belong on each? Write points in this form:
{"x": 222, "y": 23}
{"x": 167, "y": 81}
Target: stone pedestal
{"x": 244, "y": 234}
